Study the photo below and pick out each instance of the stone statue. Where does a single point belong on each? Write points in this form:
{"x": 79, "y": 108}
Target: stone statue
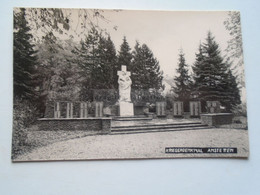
{"x": 126, "y": 107}
{"x": 125, "y": 83}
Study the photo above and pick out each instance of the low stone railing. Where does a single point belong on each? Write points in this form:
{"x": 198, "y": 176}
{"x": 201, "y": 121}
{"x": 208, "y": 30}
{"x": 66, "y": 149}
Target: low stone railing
{"x": 97, "y": 124}
{"x": 216, "y": 119}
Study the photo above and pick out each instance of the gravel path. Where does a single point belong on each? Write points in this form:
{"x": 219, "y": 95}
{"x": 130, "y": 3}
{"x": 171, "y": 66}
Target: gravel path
{"x": 145, "y": 145}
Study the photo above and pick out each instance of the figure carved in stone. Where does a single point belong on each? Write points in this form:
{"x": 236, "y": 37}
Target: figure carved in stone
{"x": 125, "y": 83}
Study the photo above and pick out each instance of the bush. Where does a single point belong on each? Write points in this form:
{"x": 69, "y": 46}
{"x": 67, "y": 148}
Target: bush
{"x": 240, "y": 110}
{"x": 237, "y": 121}
{"x": 24, "y": 115}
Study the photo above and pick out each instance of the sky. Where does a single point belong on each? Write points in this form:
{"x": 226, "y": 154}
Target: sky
{"x": 166, "y": 32}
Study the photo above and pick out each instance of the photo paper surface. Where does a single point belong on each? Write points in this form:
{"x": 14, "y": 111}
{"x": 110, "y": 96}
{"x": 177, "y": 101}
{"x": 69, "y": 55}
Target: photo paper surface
{"x": 94, "y": 84}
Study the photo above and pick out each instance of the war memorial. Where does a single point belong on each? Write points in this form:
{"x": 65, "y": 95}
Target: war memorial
{"x": 104, "y": 120}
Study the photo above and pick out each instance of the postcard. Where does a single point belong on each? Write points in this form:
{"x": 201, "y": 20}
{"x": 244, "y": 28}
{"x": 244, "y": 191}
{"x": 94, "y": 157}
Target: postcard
{"x": 97, "y": 84}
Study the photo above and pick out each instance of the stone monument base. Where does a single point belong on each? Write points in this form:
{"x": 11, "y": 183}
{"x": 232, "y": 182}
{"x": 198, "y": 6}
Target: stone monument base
{"x": 126, "y": 109}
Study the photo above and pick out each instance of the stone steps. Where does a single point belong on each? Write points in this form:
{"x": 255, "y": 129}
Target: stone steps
{"x": 157, "y": 130}
{"x": 155, "y": 125}
{"x": 131, "y": 118}
{"x": 146, "y": 128}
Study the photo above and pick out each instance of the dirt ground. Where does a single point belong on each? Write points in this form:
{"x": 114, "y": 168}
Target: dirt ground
{"x": 143, "y": 145}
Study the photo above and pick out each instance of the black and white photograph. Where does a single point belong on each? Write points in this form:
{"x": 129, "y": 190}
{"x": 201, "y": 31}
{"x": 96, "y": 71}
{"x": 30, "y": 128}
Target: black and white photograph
{"x": 101, "y": 84}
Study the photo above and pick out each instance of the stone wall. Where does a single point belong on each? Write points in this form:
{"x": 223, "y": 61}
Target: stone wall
{"x": 139, "y": 110}
{"x": 100, "y": 125}
{"x": 216, "y": 119}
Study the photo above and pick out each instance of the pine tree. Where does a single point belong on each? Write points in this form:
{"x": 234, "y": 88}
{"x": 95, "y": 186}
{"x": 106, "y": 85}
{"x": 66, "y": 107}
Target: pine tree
{"x": 92, "y": 61}
{"x": 24, "y": 58}
{"x": 233, "y": 92}
{"x": 125, "y": 56}
{"x": 88, "y": 60}
{"x": 212, "y": 77}
{"x": 108, "y": 60}
{"x": 197, "y": 68}
{"x": 98, "y": 63}
{"x": 137, "y": 68}
{"x": 145, "y": 69}
{"x": 183, "y": 82}
{"x": 25, "y": 96}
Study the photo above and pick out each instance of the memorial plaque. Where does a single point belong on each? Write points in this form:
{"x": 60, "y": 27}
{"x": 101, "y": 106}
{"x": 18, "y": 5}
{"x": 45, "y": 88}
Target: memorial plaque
{"x": 213, "y": 106}
{"x": 161, "y": 108}
{"x": 98, "y": 109}
{"x": 177, "y": 108}
{"x": 57, "y": 110}
{"x": 69, "y": 110}
{"x": 195, "y": 108}
{"x": 83, "y": 110}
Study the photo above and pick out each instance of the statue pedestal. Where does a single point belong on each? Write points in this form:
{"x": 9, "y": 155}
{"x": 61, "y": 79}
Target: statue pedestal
{"x": 126, "y": 109}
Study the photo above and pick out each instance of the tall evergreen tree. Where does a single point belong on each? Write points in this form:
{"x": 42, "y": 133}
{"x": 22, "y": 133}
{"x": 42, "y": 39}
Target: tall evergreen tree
{"x": 97, "y": 59}
{"x": 88, "y": 60}
{"x": 92, "y": 61}
{"x": 212, "y": 77}
{"x": 24, "y": 58}
{"x": 137, "y": 67}
{"x": 125, "y": 56}
{"x": 25, "y": 96}
{"x": 183, "y": 82}
{"x": 232, "y": 90}
{"x": 145, "y": 69}
{"x": 108, "y": 60}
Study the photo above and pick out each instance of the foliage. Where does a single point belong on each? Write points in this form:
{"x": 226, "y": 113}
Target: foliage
{"x": 142, "y": 97}
{"x": 145, "y": 69}
{"x": 234, "y": 49}
{"x": 108, "y": 96}
{"x": 108, "y": 63}
{"x": 24, "y": 114}
{"x": 232, "y": 91}
{"x": 169, "y": 100}
{"x": 52, "y": 68}
{"x": 97, "y": 60}
{"x": 60, "y": 78}
{"x": 240, "y": 110}
{"x": 212, "y": 76}
{"x": 25, "y": 79}
{"x": 125, "y": 55}
{"x": 69, "y": 23}
{"x": 24, "y": 58}
{"x": 87, "y": 59}
{"x": 182, "y": 88}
